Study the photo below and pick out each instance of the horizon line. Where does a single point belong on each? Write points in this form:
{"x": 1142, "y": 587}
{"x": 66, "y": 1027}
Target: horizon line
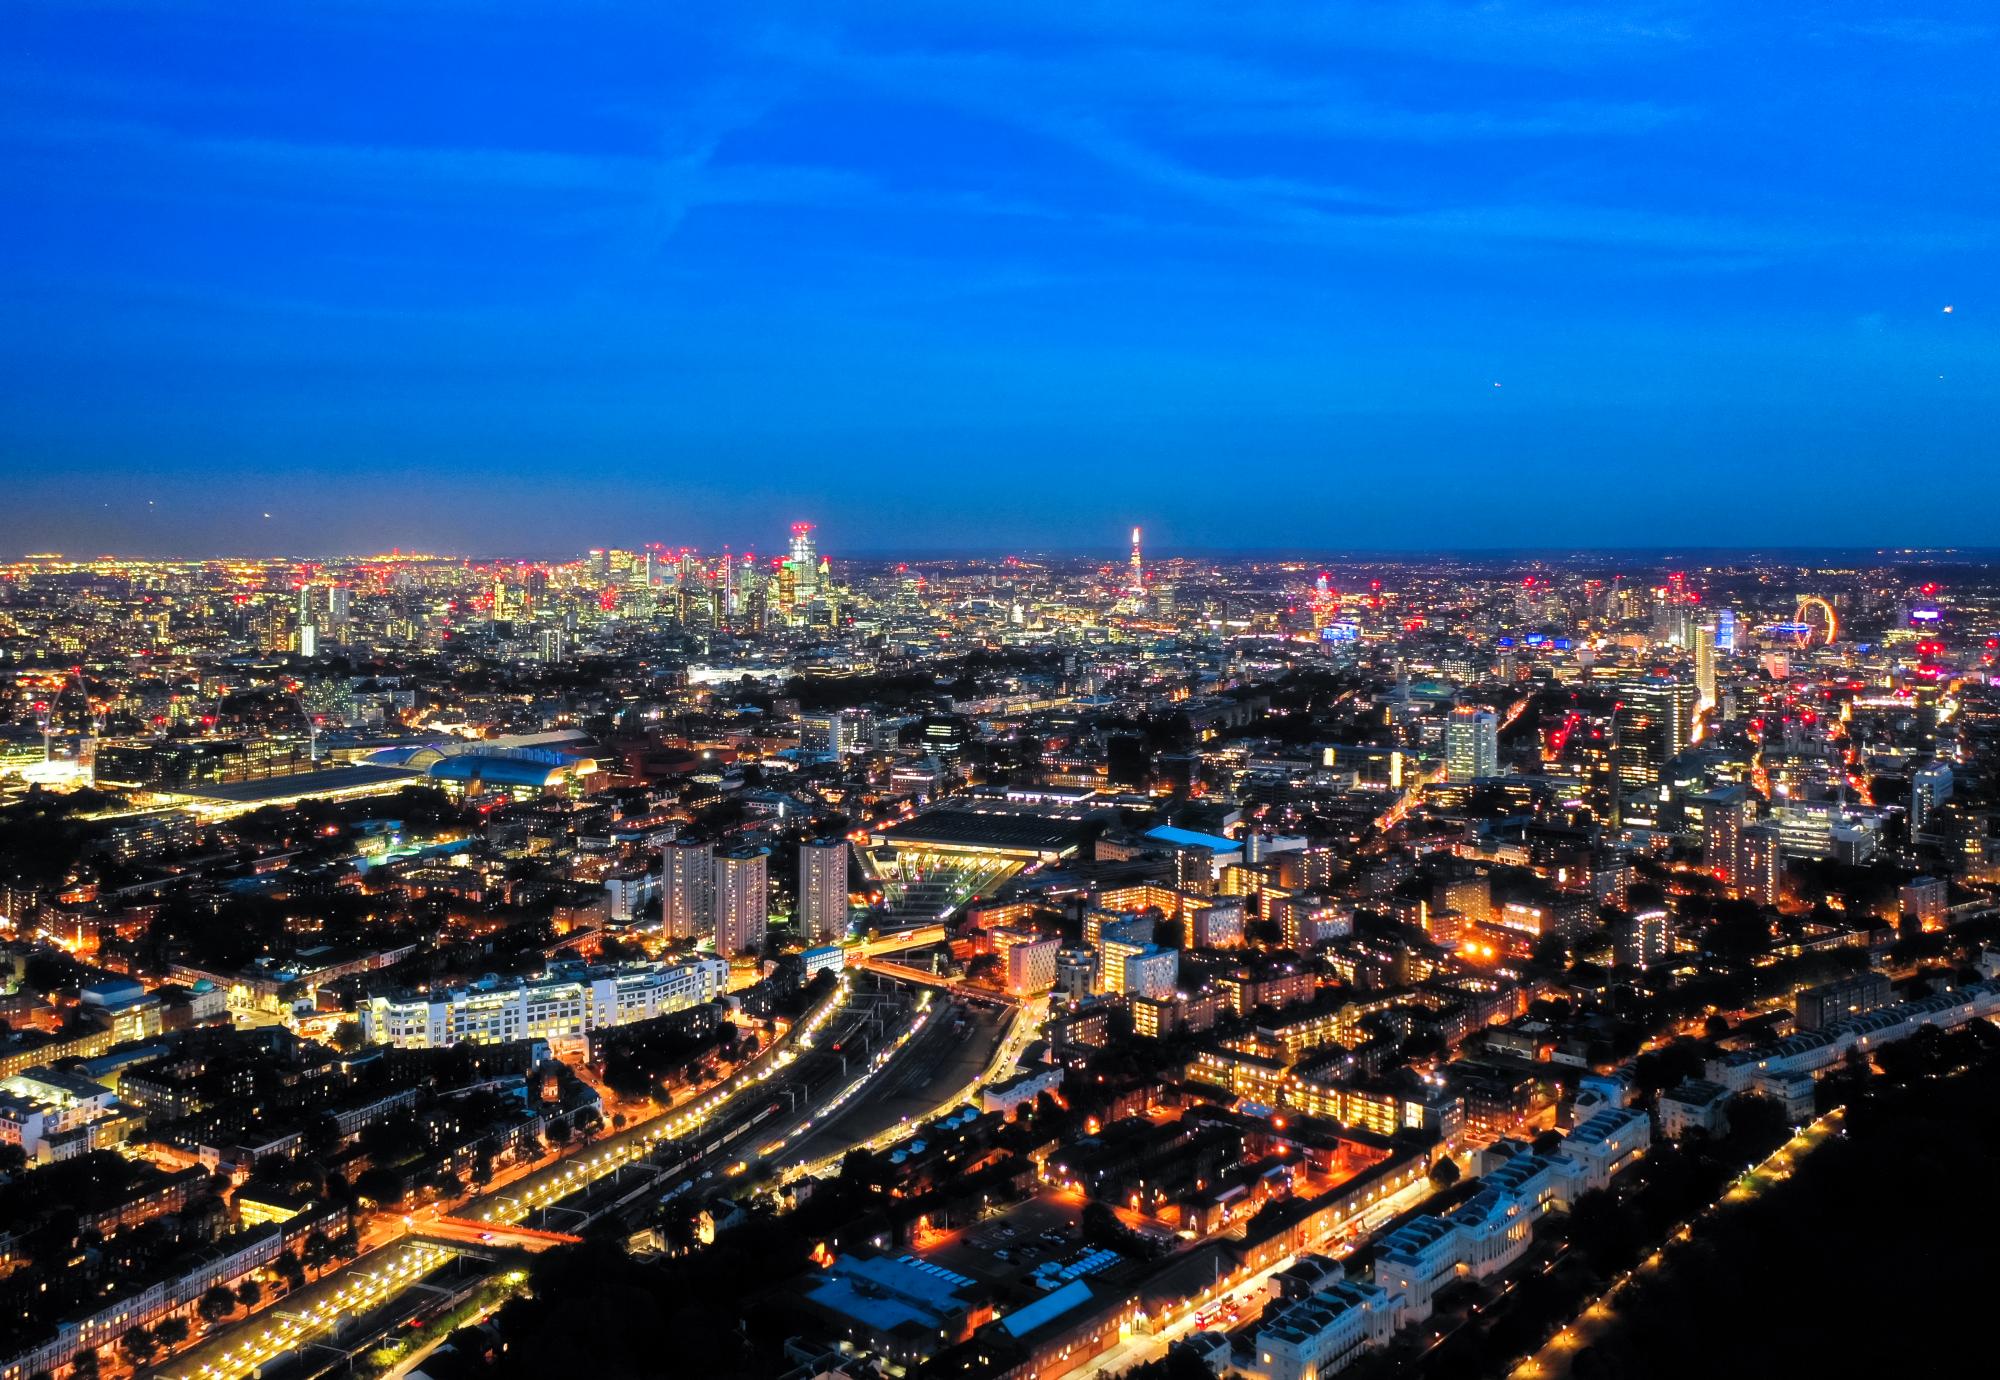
{"x": 1118, "y": 553}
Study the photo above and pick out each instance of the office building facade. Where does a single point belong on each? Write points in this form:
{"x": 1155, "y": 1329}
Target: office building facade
{"x": 1471, "y": 745}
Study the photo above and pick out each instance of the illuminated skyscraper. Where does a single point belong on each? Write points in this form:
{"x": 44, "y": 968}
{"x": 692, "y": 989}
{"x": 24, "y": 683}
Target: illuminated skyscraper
{"x": 1728, "y": 817}
{"x": 1704, "y": 662}
{"x": 1651, "y": 724}
{"x": 1930, "y": 787}
{"x": 1725, "y": 632}
{"x": 823, "y": 890}
{"x": 1471, "y": 744}
{"x": 805, "y": 561}
{"x": 1137, "y": 583}
{"x": 308, "y": 619}
{"x": 687, "y": 889}
{"x": 1325, "y": 605}
{"x": 742, "y": 901}
{"x": 1763, "y": 864}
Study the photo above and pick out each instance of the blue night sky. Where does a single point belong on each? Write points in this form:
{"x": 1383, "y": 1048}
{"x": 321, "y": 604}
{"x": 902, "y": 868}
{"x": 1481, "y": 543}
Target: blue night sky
{"x": 519, "y": 279}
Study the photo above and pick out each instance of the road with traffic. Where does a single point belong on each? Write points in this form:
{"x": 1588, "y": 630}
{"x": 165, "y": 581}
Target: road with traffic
{"x": 1554, "y": 1360}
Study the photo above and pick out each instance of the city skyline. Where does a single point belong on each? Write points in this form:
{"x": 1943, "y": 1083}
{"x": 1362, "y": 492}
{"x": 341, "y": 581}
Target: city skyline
{"x": 1641, "y": 558}
{"x": 1086, "y": 690}
{"x": 1457, "y": 276}
{"x": 922, "y": 966}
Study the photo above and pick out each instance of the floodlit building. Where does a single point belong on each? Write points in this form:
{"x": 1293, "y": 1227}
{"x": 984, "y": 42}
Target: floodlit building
{"x": 1471, "y": 744}
{"x": 823, "y": 891}
{"x": 687, "y": 889}
{"x": 1031, "y": 961}
{"x": 53, "y": 1115}
{"x": 742, "y": 901}
{"x": 1324, "y": 1333}
{"x": 566, "y": 1003}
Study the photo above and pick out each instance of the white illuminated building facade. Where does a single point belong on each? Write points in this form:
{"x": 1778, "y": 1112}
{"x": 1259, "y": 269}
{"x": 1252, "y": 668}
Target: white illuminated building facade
{"x": 566, "y": 1003}
{"x": 1476, "y": 1239}
{"x": 1471, "y": 745}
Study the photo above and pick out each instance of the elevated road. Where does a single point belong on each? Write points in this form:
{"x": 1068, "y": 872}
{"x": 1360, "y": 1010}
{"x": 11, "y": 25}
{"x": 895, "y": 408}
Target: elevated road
{"x": 899, "y": 941}
{"x": 464, "y": 1231}
{"x": 923, "y": 977}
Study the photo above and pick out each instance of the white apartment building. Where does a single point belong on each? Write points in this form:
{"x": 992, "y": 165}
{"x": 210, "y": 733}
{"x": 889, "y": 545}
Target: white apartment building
{"x": 1153, "y": 972}
{"x": 1493, "y": 1228}
{"x": 628, "y": 892}
{"x": 565, "y": 1003}
{"x": 1415, "y": 1261}
{"x": 1768, "y": 1068}
{"x": 1321, "y": 1334}
{"x": 1031, "y": 961}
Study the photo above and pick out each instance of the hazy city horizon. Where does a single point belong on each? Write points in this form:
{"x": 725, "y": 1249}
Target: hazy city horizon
{"x": 1497, "y": 553}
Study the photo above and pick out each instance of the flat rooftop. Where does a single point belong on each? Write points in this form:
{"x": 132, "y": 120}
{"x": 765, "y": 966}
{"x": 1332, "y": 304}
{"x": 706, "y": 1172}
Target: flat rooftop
{"x": 1012, "y": 832}
{"x": 299, "y": 785}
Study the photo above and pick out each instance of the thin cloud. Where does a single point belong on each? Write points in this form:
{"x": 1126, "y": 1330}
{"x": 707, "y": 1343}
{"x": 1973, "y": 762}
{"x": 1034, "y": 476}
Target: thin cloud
{"x": 151, "y": 161}
{"x": 1094, "y": 103}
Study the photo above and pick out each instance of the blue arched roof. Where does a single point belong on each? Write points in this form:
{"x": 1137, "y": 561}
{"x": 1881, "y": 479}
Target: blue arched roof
{"x": 493, "y": 770}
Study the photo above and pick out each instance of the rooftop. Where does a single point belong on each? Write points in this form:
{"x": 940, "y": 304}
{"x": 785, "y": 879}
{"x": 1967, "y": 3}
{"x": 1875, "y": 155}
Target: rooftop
{"x": 1047, "y": 1309}
{"x": 273, "y": 790}
{"x": 990, "y": 830}
{"x": 1189, "y": 838}
{"x": 886, "y": 1292}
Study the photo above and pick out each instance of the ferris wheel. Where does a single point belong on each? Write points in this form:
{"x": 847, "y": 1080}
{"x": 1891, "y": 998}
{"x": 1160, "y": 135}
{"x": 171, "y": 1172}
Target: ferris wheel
{"x": 1816, "y": 619}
